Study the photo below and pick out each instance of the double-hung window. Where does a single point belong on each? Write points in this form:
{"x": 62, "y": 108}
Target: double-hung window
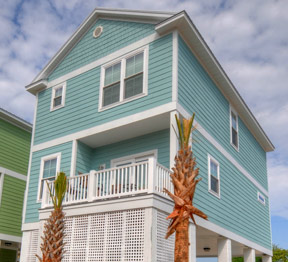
{"x": 234, "y": 128}
{"x": 213, "y": 176}
{"x": 124, "y": 80}
{"x": 58, "y": 96}
{"x": 50, "y": 166}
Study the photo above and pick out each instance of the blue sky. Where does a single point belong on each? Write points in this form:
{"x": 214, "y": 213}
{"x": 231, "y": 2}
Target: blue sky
{"x": 249, "y": 38}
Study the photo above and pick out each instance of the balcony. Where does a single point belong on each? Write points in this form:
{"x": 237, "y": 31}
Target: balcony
{"x": 146, "y": 177}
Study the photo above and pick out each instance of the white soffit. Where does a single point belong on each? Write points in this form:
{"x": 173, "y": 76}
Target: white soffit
{"x": 191, "y": 35}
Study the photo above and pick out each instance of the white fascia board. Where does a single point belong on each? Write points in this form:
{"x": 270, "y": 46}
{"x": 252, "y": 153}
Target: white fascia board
{"x": 15, "y": 120}
{"x": 35, "y": 87}
{"x": 183, "y": 23}
{"x": 30, "y": 226}
{"x": 6, "y": 237}
{"x": 91, "y": 19}
{"x": 11, "y": 173}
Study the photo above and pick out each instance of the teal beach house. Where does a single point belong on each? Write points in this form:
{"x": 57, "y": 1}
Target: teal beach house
{"x": 104, "y": 115}
{"x": 15, "y": 139}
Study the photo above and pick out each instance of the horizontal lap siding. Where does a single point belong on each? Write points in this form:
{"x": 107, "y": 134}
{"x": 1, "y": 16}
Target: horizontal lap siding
{"x": 83, "y": 160}
{"x": 238, "y": 209}
{"x": 14, "y": 147}
{"x": 157, "y": 140}
{"x": 116, "y": 35}
{"x": 198, "y": 93}
{"x": 32, "y": 205}
{"x": 82, "y": 96}
{"x": 11, "y": 206}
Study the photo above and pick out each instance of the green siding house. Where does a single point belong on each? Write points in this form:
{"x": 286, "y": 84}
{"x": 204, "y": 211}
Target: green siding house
{"x": 105, "y": 114}
{"x": 15, "y": 139}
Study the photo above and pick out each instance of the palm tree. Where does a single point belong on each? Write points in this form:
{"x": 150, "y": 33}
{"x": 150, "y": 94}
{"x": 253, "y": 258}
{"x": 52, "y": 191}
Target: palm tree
{"x": 53, "y": 244}
{"x": 184, "y": 181}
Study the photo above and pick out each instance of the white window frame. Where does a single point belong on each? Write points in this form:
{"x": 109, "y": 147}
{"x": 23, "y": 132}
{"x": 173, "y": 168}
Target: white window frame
{"x": 210, "y": 158}
{"x": 232, "y": 110}
{"x": 258, "y": 198}
{"x": 116, "y": 161}
{"x": 122, "y": 60}
{"x": 63, "y": 85}
{"x": 43, "y": 159}
{"x": 1, "y": 185}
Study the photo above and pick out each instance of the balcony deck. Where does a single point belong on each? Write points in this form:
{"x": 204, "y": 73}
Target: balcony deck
{"x": 140, "y": 178}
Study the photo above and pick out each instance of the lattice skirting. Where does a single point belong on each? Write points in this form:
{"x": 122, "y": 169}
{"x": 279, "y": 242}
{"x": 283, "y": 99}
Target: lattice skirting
{"x": 110, "y": 237}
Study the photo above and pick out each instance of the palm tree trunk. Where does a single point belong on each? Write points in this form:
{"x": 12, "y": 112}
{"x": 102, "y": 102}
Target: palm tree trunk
{"x": 181, "y": 253}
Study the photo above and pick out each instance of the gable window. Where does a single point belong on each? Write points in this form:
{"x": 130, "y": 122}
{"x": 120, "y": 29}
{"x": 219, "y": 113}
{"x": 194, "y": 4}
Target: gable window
{"x": 234, "y": 128}
{"x": 124, "y": 80}
{"x": 50, "y": 166}
{"x": 58, "y": 96}
{"x": 213, "y": 176}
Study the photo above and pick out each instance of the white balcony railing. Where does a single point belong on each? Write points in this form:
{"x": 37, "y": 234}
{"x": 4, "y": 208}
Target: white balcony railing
{"x": 139, "y": 178}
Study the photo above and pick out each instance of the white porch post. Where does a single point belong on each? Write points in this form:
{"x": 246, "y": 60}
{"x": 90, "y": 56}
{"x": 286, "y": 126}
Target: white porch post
{"x": 266, "y": 258}
{"x": 192, "y": 240}
{"x": 173, "y": 138}
{"x": 249, "y": 254}
{"x": 224, "y": 250}
{"x": 151, "y": 174}
{"x": 91, "y": 185}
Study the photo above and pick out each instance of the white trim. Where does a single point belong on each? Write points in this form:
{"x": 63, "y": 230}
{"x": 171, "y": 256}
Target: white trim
{"x": 10, "y": 238}
{"x": 30, "y": 161}
{"x": 108, "y": 126}
{"x": 210, "y": 158}
{"x": 115, "y": 161}
{"x": 11, "y": 173}
{"x": 1, "y": 185}
{"x": 123, "y": 60}
{"x": 63, "y": 95}
{"x": 175, "y": 67}
{"x": 30, "y": 226}
{"x": 232, "y": 110}
{"x": 43, "y": 159}
{"x": 259, "y": 195}
{"x": 174, "y": 144}
{"x": 223, "y": 151}
{"x": 73, "y": 158}
{"x": 113, "y": 56}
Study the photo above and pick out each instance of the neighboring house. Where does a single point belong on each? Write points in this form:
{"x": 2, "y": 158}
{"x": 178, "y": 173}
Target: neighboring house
{"x": 105, "y": 114}
{"x": 15, "y": 139}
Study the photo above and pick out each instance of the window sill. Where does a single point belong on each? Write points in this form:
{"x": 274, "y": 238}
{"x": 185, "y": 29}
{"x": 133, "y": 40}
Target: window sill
{"x": 100, "y": 109}
{"x": 236, "y": 148}
{"x": 214, "y": 193}
{"x": 55, "y": 108}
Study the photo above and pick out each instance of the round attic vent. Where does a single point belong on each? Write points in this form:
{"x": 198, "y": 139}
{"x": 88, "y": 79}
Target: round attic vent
{"x": 98, "y": 31}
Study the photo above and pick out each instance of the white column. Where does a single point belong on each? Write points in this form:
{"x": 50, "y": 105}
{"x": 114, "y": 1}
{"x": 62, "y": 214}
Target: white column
{"x": 266, "y": 258}
{"x": 249, "y": 254}
{"x": 192, "y": 240}
{"x": 173, "y": 137}
{"x": 224, "y": 250}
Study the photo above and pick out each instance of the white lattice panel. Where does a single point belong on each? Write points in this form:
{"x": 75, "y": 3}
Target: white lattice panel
{"x": 165, "y": 247}
{"x": 111, "y": 237}
{"x": 29, "y": 246}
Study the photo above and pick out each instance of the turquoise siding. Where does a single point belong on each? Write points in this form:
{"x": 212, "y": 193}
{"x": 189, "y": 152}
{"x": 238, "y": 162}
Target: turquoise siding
{"x": 32, "y": 205}
{"x": 82, "y": 96}
{"x": 238, "y": 209}
{"x": 84, "y": 158}
{"x": 158, "y": 140}
{"x": 198, "y": 93}
{"x": 116, "y": 35}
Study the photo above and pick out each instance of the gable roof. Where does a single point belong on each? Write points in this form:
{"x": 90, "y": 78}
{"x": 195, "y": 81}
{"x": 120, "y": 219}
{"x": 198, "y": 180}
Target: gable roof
{"x": 15, "y": 120}
{"x": 164, "y": 23}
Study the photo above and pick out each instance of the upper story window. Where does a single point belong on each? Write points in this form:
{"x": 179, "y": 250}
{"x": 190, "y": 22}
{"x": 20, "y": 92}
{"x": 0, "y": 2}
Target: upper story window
{"x": 124, "y": 79}
{"x": 58, "y": 96}
{"x": 234, "y": 128}
{"x": 213, "y": 176}
{"x": 50, "y": 166}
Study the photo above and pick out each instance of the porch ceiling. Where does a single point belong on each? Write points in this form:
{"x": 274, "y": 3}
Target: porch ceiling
{"x": 127, "y": 131}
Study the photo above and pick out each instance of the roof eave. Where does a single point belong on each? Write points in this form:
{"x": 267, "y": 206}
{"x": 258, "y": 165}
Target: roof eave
{"x": 185, "y": 26}
{"x": 37, "y": 86}
{"x": 15, "y": 120}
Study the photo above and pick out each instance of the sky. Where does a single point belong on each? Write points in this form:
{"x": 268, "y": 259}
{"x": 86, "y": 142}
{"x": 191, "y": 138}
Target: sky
{"x": 249, "y": 39}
